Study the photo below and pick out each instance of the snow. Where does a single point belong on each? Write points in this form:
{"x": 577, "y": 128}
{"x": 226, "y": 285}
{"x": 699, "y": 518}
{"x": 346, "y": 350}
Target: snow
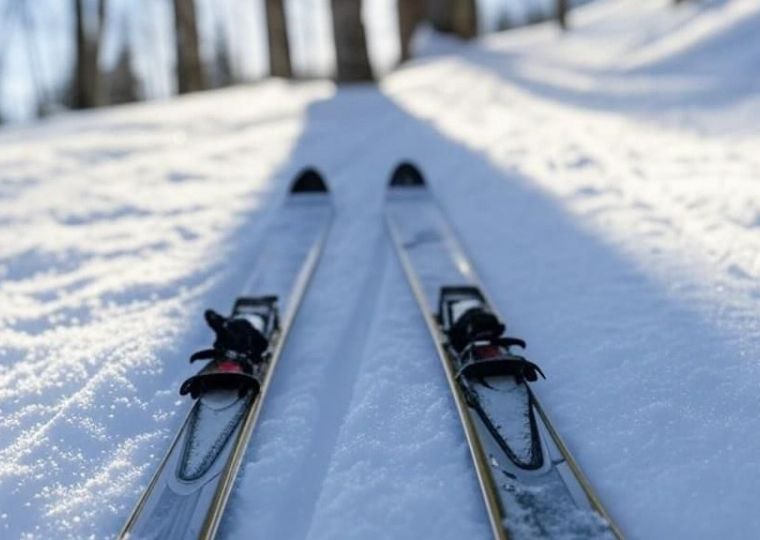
{"x": 604, "y": 182}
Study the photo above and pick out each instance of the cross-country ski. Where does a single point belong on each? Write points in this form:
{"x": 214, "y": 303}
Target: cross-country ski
{"x": 531, "y": 484}
{"x": 187, "y": 496}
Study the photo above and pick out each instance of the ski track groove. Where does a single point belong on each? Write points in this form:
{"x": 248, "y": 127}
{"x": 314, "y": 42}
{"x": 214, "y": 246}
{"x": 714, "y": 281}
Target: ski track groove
{"x": 304, "y": 153}
{"x": 347, "y": 359}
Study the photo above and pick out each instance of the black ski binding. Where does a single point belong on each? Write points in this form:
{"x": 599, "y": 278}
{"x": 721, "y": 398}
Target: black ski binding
{"x": 241, "y": 346}
{"x": 475, "y": 336}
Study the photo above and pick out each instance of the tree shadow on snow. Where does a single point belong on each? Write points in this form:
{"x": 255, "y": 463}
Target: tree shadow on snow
{"x": 654, "y": 399}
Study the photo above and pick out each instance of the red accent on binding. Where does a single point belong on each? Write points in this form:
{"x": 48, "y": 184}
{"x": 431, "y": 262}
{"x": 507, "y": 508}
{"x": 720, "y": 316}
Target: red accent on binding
{"x": 485, "y": 352}
{"x": 228, "y": 366}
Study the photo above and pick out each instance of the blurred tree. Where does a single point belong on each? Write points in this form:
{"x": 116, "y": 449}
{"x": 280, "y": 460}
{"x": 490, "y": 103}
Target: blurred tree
{"x": 562, "y": 8}
{"x": 43, "y": 104}
{"x": 350, "y": 42}
{"x": 465, "y": 18}
{"x": 87, "y": 88}
{"x": 121, "y": 81}
{"x": 537, "y": 13}
{"x": 439, "y": 14}
{"x": 190, "y": 75}
{"x": 221, "y": 70}
{"x": 459, "y": 17}
{"x": 279, "y": 46}
{"x": 410, "y": 14}
{"x": 504, "y": 22}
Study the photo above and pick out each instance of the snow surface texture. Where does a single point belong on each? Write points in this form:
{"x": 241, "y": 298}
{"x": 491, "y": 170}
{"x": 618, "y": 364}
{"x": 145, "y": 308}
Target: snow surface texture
{"x": 605, "y": 183}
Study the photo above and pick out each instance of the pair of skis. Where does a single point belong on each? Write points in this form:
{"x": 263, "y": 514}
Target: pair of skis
{"x": 531, "y": 485}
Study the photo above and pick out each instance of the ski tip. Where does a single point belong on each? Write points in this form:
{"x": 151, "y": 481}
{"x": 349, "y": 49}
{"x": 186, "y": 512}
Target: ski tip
{"x": 309, "y": 180}
{"x": 406, "y": 174}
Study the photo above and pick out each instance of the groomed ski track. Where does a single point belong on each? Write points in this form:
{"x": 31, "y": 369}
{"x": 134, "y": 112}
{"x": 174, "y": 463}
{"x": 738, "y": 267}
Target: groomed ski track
{"x": 597, "y": 225}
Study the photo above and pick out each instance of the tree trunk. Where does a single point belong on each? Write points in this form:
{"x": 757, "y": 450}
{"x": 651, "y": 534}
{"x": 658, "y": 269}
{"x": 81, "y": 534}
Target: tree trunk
{"x": 439, "y": 14}
{"x": 562, "y": 13}
{"x": 222, "y": 73}
{"x": 464, "y": 18}
{"x": 459, "y": 17}
{"x": 350, "y": 42}
{"x": 87, "y": 87}
{"x": 279, "y": 46}
{"x": 122, "y": 83}
{"x": 190, "y": 76}
{"x": 410, "y": 14}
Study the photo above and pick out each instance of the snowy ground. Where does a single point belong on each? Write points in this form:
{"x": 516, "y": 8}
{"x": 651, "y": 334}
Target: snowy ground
{"x": 606, "y": 183}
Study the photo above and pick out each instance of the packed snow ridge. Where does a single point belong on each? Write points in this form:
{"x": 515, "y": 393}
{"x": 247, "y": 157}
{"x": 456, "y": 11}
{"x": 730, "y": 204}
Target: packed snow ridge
{"x": 605, "y": 182}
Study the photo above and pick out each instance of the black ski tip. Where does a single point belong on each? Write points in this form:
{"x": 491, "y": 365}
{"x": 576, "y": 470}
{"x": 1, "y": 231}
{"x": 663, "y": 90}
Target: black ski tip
{"x": 309, "y": 180}
{"x": 406, "y": 174}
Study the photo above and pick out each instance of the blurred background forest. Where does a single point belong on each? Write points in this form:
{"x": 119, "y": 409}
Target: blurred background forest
{"x": 75, "y": 54}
